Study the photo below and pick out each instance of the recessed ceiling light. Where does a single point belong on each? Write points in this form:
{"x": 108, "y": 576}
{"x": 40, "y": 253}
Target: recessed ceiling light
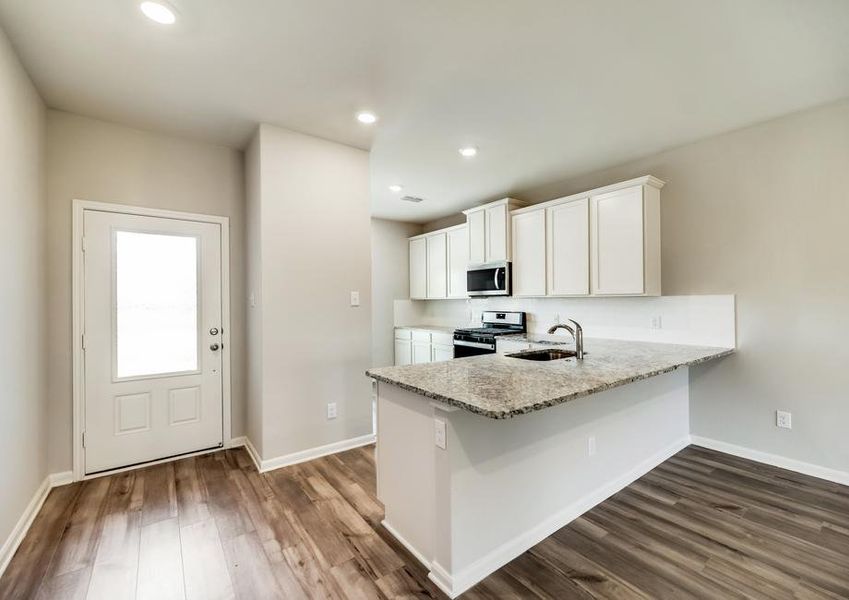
{"x": 468, "y": 151}
{"x": 366, "y": 117}
{"x": 396, "y": 188}
{"x": 156, "y": 11}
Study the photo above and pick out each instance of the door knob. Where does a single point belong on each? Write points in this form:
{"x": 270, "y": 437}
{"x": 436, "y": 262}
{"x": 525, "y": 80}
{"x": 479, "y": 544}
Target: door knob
{"x": 214, "y": 347}
{"x": 213, "y": 331}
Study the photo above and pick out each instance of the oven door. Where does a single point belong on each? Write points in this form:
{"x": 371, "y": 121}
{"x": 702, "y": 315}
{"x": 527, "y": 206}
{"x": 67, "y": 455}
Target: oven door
{"x": 489, "y": 280}
{"x": 463, "y": 348}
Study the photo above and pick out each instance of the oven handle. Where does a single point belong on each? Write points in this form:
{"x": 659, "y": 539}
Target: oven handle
{"x": 474, "y": 345}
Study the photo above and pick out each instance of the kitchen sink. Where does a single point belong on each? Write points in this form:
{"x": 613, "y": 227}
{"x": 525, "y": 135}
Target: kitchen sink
{"x": 545, "y": 354}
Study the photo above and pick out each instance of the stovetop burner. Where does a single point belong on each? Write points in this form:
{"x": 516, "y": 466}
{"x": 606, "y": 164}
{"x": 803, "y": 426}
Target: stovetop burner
{"x": 487, "y": 330}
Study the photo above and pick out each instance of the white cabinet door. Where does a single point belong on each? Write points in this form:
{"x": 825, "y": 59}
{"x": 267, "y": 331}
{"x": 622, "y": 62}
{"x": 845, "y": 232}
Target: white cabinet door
{"x": 497, "y": 237}
{"x": 616, "y": 242}
{"x": 421, "y": 353}
{"x": 529, "y": 253}
{"x": 476, "y": 223}
{"x": 568, "y": 247}
{"x": 418, "y": 268}
{"x": 458, "y": 261}
{"x": 437, "y": 266}
{"x": 441, "y": 352}
{"x": 403, "y": 352}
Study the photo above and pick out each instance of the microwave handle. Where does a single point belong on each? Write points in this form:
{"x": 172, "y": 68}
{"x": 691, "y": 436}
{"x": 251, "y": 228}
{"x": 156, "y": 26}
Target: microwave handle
{"x": 495, "y": 278}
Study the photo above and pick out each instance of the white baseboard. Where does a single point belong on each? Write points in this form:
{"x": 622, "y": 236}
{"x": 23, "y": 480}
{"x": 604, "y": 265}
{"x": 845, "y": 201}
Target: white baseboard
{"x": 16, "y": 536}
{"x": 774, "y": 460}
{"x": 412, "y": 549}
{"x": 294, "y": 458}
{"x": 455, "y": 584}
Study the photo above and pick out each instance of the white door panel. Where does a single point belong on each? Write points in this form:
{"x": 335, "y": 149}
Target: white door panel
{"x": 152, "y": 331}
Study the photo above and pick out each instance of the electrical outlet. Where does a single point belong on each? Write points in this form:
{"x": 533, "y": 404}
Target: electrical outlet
{"x": 439, "y": 433}
{"x": 331, "y": 410}
{"x": 252, "y": 300}
{"x": 355, "y": 298}
{"x": 657, "y": 322}
{"x": 783, "y": 419}
{"x": 591, "y": 446}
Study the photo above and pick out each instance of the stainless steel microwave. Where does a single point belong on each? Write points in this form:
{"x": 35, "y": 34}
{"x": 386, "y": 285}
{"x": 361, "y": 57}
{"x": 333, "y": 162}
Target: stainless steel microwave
{"x": 491, "y": 279}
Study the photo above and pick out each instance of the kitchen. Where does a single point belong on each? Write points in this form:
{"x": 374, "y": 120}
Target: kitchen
{"x": 424, "y": 299}
{"x": 458, "y": 431}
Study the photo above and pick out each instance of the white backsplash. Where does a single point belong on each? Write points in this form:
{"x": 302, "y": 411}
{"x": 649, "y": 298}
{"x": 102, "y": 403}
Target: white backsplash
{"x": 700, "y": 320}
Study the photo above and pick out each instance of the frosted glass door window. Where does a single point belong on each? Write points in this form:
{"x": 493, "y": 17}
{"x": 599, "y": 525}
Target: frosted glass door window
{"x": 156, "y": 304}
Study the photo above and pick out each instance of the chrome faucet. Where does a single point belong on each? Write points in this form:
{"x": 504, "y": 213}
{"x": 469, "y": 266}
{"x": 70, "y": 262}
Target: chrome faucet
{"x": 577, "y": 333}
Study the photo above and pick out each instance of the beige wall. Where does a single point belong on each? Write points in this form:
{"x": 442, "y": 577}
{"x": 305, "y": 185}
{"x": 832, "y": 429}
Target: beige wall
{"x": 94, "y": 160}
{"x": 390, "y": 281}
{"x": 763, "y": 213}
{"x": 314, "y": 250}
{"x": 253, "y": 259}
{"x": 23, "y": 442}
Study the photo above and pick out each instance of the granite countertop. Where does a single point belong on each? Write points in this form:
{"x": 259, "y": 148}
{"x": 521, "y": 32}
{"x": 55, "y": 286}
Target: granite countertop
{"x": 501, "y": 387}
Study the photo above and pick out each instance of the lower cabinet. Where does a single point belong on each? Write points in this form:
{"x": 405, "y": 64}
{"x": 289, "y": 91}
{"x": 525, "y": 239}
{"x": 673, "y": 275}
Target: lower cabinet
{"x": 417, "y": 346}
{"x": 440, "y": 352}
{"x": 403, "y": 352}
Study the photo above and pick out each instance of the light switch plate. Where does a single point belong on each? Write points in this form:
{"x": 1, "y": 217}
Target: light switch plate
{"x": 439, "y": 433}
{"x": 355, "y": 298}
{"x": 331, "y": 410}
{"x": 783, "y": 419}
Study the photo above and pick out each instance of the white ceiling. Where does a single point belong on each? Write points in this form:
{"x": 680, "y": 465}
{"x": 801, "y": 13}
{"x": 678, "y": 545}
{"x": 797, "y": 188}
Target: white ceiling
{"x": 546, "y": 89}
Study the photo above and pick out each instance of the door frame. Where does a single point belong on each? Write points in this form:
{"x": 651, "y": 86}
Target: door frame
{"x": 77, "y": 307}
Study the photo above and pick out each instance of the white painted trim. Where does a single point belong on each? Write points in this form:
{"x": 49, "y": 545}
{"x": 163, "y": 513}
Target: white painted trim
{"x": 304, "y": 455}
{"x": 439, "y": 575}
{"x": 644, "y": 180}
{"x": 78, "y": 418}
{"x": 19, "y": 531}
{"x": 455, "y": 584}
{"x": 410, "y": 548}
{"x": 254, "y": 454}
{"x": 798, "y": 466}
{"x": 60, "y": 479}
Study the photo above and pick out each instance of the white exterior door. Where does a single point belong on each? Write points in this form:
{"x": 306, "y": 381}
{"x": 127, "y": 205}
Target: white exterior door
{"x": 152, "y": 327}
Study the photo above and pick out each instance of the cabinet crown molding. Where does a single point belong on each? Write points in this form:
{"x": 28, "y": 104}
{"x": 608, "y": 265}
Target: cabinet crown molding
{"x": 649, "y": 180}
{"x": 511, "y": 202}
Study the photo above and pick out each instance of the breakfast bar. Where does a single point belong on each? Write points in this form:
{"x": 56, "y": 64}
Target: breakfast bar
{"x": 480, "y": 458}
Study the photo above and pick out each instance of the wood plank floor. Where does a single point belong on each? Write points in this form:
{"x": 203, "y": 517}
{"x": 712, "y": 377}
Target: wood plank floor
{"x": 701, "y": 525}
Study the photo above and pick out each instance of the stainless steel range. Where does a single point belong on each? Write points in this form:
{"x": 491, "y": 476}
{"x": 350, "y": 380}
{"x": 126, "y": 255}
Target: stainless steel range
{"x": 481, "y": 340}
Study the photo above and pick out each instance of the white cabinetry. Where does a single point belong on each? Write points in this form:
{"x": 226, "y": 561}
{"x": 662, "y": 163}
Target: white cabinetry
{"x": 437, "y": 266}
{"x": 489, "y": 231}
{"x": 418, "y": 268}
{"x": 457, "y": 241}
{"x": 438, "y": 263}
{"x": 403, "y": 347}
{"x": 605, "y": 242}
{"x": 625, "y": 242}
{"x": 568, "y": 249}
{"x": 417, "y": 346}
{"x": 529, "y": 253}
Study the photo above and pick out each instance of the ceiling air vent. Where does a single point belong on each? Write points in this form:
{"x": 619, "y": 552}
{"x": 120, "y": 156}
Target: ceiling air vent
{"x": 411, "y": 199}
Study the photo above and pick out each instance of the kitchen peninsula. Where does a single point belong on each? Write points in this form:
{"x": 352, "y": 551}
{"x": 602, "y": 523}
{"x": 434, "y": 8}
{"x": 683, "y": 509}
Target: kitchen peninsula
{"x": 480, "y": 458}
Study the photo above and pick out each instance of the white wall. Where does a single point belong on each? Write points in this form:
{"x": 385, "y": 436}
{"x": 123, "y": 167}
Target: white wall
{"x": 314, "y": 230}
{"x": 390, "y": 281}
{"x": 253, "y": 317}
{"x": 762, "y": 213}
{"x": 23, "y": 443}
{"x": 94, "y": 160}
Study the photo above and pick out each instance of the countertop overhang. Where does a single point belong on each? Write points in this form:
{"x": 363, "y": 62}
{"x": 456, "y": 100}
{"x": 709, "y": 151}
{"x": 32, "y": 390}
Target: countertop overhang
{"x": 501, "y": 387}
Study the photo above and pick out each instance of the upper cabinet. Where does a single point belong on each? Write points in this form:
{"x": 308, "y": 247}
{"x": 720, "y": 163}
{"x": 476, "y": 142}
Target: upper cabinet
{"x": 418, "y": 268}
{"x": 625, "y": 241}
{"x": 457, "y": 239}
{"x": 529, "y": 253}
{"x": 437, "y": 266}
{"x": 567, "y": 265}
{"x": 438, "y": 262}
{"x": 605, "y": 242}
{"x": 489, "y": 231}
